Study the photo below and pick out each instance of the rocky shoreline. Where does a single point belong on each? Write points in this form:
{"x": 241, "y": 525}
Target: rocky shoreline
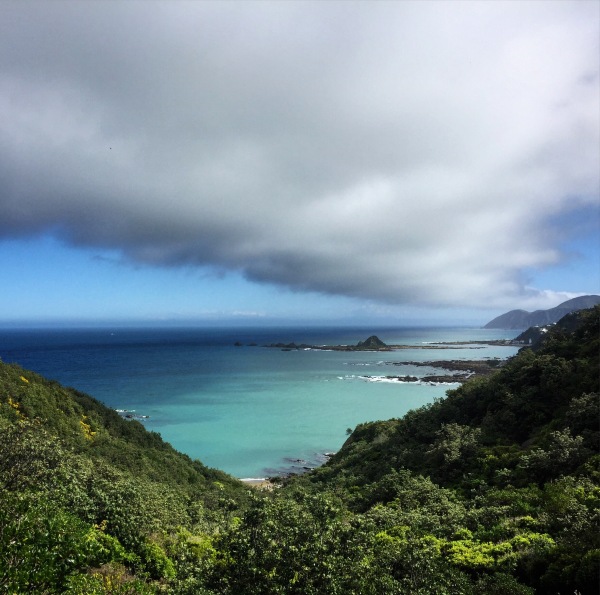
{"x": 304, "y": 346}
{"x": 463, "y": 369}
{"x": 373, "y": 343}
{"x": 131, "y": 414}
{"x": 294, "y": 466}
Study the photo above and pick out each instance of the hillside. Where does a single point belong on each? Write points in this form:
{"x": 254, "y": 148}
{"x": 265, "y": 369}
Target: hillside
{"x": 494, "y": 489}
{"x": 80, "y": 487}
{"x": 535, "y": 336}
{"x": 499, "y": 457}
{"x": 521, "y": 319}
{"x": 516, "y": 405}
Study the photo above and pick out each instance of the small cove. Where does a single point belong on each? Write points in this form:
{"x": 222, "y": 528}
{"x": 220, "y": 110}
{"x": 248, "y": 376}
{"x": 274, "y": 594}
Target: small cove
{"x": 248, "y": 410}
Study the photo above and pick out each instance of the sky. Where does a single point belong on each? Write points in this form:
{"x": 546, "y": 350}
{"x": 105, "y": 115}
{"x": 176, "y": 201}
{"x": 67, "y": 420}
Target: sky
{"x": 307, "y": 162}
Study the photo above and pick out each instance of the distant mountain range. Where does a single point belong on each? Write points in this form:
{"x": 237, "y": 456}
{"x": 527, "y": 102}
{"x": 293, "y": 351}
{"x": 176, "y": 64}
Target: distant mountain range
{"x": 521, "y": 319}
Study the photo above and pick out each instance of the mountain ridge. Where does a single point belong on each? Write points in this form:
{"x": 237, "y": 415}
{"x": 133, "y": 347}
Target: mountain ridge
{"x": 522, "y": 319}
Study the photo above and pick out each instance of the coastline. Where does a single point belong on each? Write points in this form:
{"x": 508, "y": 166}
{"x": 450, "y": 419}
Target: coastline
{"x": 428, "y": 345}
{"x": 243, "y": 410}
{"x": 259, "y": 483}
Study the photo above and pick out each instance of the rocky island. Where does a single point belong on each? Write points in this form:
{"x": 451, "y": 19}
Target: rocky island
{"x": 373, "y": 343}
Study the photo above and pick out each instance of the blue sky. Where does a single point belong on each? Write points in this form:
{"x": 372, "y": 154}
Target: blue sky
{"x": 268, "y": 162}
{"x": 50, "y": 283}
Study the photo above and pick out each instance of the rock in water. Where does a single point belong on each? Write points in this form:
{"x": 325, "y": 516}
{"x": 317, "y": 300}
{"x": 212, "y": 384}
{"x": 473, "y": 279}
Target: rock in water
{"x": 373, "y": 342}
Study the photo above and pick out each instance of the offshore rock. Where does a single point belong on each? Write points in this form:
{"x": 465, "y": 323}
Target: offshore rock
{"x": 373, "y": 342}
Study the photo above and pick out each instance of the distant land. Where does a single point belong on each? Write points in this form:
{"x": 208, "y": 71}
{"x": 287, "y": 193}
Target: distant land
{"x": 521, "y": 319}
{"x": 374, "y": 343}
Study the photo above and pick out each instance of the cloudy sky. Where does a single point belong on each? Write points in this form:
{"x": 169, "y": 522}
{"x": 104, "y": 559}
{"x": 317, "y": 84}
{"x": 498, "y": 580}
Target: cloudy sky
{"x": 333, "y": 161}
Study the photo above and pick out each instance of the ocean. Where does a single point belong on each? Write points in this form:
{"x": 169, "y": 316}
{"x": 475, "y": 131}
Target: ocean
{"x": 219, "y": 395}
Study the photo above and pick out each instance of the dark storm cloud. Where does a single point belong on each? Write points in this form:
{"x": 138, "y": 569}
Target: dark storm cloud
{"x": 402, "y": 152}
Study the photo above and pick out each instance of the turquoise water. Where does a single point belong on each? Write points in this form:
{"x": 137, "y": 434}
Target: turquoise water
{"x": 249, "y": 410}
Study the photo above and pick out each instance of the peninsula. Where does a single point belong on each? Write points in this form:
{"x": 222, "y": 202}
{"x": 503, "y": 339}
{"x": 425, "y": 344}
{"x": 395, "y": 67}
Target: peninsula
{"x": 455, "y": 371}
{"x": 374, "y": 343}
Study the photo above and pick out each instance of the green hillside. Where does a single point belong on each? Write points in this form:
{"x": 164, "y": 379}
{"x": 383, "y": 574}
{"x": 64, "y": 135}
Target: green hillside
{"x": 494, "y": 489}
{"x": 82, "y": 488}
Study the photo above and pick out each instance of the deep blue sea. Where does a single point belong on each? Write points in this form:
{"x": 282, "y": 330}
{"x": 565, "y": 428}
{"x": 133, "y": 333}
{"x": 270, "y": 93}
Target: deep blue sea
{"x": 249, "y": 410}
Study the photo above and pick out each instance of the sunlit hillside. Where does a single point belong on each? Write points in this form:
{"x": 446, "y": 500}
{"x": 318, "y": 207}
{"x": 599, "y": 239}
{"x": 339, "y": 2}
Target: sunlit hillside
{"x": 494, "y": 489}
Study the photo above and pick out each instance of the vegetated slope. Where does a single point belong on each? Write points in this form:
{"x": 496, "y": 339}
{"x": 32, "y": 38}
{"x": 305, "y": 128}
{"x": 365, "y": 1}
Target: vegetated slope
{"x": 493, "y": 489}
{"x": 521, "y": 319}
{"x": 517, "y": 406}
{"x": 87, "y": 427}
{"x": 499, "y": 459}
{"x": 536, "y": 336}
{"x": 80, "y": 487}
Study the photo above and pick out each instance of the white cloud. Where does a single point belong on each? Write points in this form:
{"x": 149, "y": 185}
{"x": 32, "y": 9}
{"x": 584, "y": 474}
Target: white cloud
{"x": 401, "y": 152}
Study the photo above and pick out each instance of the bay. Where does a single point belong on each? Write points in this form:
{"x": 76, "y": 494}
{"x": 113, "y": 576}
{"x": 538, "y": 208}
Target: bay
{"x": 249, "y": 410}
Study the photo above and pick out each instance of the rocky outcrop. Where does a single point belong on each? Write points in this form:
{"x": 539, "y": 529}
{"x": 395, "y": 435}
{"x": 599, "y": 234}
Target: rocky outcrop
{"x": 373, "y": 342}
